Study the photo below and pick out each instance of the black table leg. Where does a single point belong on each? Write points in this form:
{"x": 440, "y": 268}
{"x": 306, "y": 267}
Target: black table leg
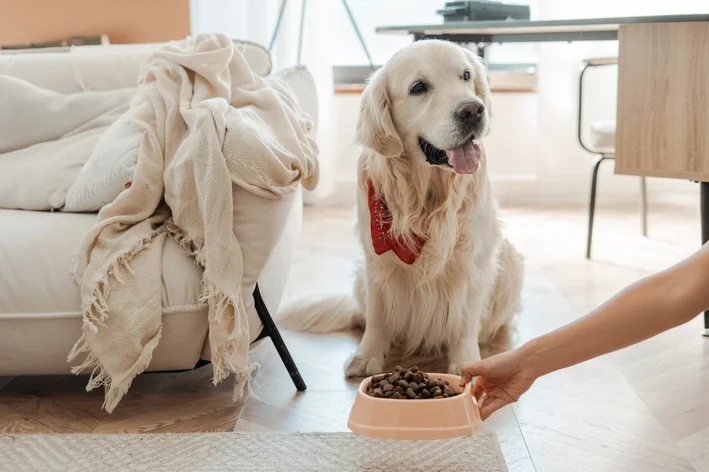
{"x": 704, "y": 205}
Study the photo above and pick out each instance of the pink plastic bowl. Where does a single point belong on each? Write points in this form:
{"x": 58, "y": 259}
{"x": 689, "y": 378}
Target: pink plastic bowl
{"x": 443, "y": 418}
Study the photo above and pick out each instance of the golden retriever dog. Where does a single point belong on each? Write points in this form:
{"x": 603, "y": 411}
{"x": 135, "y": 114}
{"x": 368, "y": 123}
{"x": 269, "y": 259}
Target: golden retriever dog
{"x": 437, "y": 276}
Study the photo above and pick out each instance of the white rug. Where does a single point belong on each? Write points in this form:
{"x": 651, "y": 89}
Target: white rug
{"x": 247, "y": 452}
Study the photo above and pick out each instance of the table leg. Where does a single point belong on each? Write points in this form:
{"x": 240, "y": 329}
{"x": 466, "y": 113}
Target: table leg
{"x": 704, "y": 205}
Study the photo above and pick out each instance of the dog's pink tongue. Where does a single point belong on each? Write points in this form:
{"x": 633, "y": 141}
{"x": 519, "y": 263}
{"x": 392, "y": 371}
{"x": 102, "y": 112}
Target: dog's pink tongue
{"x": 464, "y": 159}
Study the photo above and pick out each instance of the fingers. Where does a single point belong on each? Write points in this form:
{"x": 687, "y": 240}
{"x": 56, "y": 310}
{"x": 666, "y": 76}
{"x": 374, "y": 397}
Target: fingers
{"x": 470, "y": 371}
{"x": 478, "y": 391}
{"x": 491, "y": 405}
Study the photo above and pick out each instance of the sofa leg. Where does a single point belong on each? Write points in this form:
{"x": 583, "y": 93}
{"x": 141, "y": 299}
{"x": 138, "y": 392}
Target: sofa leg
{"x": 270, "y": 330}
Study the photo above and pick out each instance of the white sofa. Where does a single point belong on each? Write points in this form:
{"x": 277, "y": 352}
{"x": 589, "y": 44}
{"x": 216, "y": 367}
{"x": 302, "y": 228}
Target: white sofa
{"x": 39, "y": 303}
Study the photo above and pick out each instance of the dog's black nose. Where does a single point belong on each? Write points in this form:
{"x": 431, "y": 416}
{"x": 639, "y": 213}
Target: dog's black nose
{"x": 470, "y": 112}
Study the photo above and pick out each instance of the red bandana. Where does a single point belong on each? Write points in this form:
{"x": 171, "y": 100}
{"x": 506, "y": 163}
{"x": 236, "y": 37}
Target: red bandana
{"x": 380, "y": 223}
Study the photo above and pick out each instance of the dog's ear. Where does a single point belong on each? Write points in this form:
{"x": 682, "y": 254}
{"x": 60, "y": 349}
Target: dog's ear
{"x": 482, "y": 83}
{"x": 375, "y": 128}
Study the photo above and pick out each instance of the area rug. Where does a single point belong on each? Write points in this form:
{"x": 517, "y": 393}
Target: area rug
{"x": 247, "y": 452}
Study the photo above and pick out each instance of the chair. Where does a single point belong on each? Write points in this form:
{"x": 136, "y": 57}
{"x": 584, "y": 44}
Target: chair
{"x": 603, "y": 146}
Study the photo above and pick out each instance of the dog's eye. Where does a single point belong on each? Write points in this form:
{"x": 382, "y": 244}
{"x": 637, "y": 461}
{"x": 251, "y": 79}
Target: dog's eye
{"x": 419, "y": 88}
{"x": 466, "y": 75}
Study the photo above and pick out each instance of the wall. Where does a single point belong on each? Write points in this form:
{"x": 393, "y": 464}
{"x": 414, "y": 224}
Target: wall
{"x": 124, "y": 21}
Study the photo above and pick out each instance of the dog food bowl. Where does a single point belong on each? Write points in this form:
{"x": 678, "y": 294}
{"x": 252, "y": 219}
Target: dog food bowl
{"x": 428, "y": 419}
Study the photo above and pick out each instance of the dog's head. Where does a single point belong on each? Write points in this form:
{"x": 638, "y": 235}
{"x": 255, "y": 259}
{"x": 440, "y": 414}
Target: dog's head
{"x": 431, "y": 103}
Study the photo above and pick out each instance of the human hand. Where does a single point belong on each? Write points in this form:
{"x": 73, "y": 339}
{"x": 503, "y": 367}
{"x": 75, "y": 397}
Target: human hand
{"x": 501, "y": 378}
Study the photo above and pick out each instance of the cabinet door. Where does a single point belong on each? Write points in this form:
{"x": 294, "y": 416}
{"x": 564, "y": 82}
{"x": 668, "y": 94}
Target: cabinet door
{"x": 663, "y": 101}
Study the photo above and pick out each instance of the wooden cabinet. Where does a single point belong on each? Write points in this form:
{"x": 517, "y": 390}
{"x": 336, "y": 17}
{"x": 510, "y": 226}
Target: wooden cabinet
{"x": 663, "y": 101}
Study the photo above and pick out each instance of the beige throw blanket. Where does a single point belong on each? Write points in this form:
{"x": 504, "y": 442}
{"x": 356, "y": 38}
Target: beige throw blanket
{"x": 208, "y": 121}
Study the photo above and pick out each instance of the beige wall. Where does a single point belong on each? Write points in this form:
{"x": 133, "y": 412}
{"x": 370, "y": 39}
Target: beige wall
{"x": 124, "y": 21}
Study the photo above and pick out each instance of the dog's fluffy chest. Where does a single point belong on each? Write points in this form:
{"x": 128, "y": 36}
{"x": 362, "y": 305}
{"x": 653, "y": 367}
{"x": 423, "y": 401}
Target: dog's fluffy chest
{"x": 428, "y": 303}
{"x": 431, "y": 314}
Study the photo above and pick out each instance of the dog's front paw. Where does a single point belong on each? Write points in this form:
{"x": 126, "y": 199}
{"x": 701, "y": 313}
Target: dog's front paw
{"x": 360, "y": 365}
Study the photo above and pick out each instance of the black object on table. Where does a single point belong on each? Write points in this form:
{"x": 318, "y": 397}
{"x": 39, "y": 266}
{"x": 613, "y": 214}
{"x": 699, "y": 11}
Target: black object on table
{"x": 485, "y": 10}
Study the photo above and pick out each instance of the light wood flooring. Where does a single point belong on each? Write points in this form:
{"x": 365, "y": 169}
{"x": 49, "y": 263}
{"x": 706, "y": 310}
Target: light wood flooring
{"x": 643, "y": 409}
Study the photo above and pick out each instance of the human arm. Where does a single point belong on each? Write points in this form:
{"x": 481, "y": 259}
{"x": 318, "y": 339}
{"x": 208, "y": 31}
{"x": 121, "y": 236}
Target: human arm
{"x": 642, "y": 310}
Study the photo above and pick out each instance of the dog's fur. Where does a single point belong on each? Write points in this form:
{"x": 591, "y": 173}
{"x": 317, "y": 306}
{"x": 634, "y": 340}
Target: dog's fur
{"x": 465, "y": 286}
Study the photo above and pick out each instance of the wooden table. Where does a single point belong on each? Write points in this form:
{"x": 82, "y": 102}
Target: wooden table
{"x": 663, "y": 86}
{"x": 484, "y": 33}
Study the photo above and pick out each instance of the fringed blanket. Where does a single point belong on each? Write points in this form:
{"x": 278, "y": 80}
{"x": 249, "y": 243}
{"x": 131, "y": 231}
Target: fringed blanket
{"x": 208, "y": 122}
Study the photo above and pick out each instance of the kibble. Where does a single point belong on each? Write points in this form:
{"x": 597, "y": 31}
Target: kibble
{"x": 409, "y": 384}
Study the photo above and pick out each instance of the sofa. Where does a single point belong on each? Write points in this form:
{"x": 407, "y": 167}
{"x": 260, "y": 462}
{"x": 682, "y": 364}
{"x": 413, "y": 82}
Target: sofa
{"x": 40, "y": 317}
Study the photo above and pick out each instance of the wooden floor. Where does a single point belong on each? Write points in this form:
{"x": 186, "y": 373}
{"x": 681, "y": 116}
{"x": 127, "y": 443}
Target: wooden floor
{"x": 642, "y": 409}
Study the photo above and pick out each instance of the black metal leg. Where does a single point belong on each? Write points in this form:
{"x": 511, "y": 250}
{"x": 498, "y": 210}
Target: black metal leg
{"x": 592, "y": 203}
{"x": 271, "y": 331}
{"x": 359, "y": 35}
{"x": 704, "y": 204}
{"x": 278, "y": 26}
{"x": 300, "y": 34}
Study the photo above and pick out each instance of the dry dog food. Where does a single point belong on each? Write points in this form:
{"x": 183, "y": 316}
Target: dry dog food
{"x": 409, "y": 384}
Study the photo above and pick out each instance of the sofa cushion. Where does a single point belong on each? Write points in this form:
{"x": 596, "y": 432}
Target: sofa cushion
{"x": 38, "y": 177}
{"x": 46, "y": 137}
{"x": 603, "y": 136}
{"x": 302, "y": 82}
{"x": 109, "y": 170}
{"x": 39, "y": 316}
{"x": 36, "y": 252}
{"x": 83, "y": 68}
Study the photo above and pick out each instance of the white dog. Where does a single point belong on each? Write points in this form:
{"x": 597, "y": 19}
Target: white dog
{"x": 437, "y": 273}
